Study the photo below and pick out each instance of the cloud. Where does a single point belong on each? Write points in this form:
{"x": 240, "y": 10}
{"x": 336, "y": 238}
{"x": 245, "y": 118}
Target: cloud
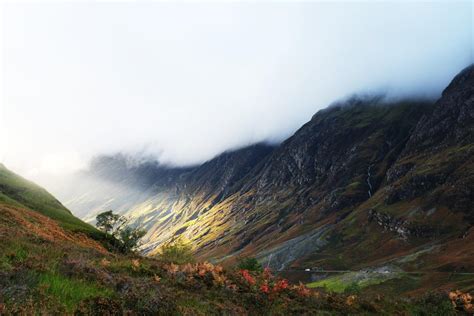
{"x": 187, "y": 81}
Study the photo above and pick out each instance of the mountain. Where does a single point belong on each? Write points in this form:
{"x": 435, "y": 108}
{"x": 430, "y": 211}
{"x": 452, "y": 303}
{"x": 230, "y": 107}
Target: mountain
{"x": 50, "y": 267}
{"x": 365, "y": 183}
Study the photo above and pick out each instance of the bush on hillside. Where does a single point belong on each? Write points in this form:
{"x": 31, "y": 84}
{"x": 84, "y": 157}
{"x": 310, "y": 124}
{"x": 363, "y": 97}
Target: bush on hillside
{"x": 177, "y": 253}
{"x": 249, "y": 263}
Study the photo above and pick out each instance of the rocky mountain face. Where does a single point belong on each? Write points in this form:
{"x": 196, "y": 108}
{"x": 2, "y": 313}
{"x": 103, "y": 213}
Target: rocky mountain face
{"x": 438, "y": 158}
{"x": 364, "y": 182}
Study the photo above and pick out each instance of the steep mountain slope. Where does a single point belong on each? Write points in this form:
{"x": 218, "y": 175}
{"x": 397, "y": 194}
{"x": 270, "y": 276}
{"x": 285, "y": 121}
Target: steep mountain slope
{"x": 47, "y": 269}
{"x": 315, "y": 178}
{"x": 364, "y": 183}
{"x": 19, "y": 192}
{"x": 420, "y": 219}
{"x": 439, "y": 156}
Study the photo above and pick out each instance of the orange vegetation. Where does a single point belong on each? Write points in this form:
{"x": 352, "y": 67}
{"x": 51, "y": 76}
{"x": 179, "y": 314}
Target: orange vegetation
{"x": 30, "y": 223}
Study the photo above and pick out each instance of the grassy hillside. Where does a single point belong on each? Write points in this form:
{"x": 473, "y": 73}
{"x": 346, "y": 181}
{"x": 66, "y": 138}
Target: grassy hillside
{"x": 19, "y": 192}
{"x": 47, "y": 270}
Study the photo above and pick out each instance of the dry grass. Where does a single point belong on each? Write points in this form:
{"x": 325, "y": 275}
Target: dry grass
{"x": 29, "y": 223}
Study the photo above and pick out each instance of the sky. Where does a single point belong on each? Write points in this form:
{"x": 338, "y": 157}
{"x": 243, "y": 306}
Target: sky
{"x": 185, "y": 81}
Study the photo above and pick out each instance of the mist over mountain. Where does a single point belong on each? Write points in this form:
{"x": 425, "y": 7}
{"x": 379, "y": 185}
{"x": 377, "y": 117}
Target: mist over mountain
{"x": 361, "y": 173}
{"x": 237, "y": 158}
{"x": 184, "y": 83}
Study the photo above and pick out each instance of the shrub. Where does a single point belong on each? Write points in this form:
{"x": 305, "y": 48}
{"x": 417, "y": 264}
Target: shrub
{"x": 433, "y": 303}
{"x": 177, "y": 253}
{"x": 248, "y": 277}
{"x": 462, "y": 301}
{"x": 250, "y": 264}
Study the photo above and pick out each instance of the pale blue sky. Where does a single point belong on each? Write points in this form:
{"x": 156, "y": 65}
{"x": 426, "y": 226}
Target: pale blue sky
{"x": 187, "y": 81}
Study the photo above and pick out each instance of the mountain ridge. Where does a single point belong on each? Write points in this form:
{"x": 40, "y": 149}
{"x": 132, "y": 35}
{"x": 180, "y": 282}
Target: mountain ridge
{"x": 47, "y": 268}
{"x": 360, "y": 176}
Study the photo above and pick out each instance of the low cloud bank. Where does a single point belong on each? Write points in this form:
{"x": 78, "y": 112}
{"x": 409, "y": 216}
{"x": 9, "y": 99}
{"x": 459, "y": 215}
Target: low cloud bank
{"x": 184, "y": 82}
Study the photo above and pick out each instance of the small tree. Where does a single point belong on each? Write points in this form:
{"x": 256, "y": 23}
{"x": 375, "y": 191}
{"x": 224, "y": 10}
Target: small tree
{"x": 124, "y": 237}
{"x": 130, "y": 238}
{"x": 109, "y": 222}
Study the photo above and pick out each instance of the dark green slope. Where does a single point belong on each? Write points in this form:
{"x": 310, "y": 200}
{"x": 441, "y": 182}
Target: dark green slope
{"x": 17, "y": 191}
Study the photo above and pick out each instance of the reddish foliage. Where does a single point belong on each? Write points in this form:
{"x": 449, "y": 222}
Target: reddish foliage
{"x": 32, "y": 223}
{"x": 461, "y": 301}
{"x": 250, "y": 279}
{"x": 267, "y": 273}
{"x": 350, "y": 300}
{"x": 280, "y": 285}
{"x": 302, "y": 290}
{"x": 265, "y": 288}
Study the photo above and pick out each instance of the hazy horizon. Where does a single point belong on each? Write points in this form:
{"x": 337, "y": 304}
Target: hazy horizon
{"x": 185, "y": 82}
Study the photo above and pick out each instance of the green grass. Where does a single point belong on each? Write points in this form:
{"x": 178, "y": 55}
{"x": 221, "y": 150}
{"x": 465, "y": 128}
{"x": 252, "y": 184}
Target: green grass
{"x": 348, "y": 281}
{"x": 196, "y": 305}
{"x": 5, "y": 264}
{"x": 70, "y": 292}
{"x": 21, "y": 252}
{"x": 7, "y": 200}
{"x": 13, "y": 254}
{"x": 330, "y": 284}
{"x": 19, "y": 192}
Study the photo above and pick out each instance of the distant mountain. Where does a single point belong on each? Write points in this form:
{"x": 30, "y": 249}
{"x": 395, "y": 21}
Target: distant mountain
{"x": 50, "y": 265}
{"x": 363, "y": 183}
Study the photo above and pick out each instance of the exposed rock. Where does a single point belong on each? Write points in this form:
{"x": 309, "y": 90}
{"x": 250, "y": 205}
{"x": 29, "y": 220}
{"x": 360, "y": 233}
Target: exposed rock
{"x": 403, "y": 228}
{"x": 356, "y": 155}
